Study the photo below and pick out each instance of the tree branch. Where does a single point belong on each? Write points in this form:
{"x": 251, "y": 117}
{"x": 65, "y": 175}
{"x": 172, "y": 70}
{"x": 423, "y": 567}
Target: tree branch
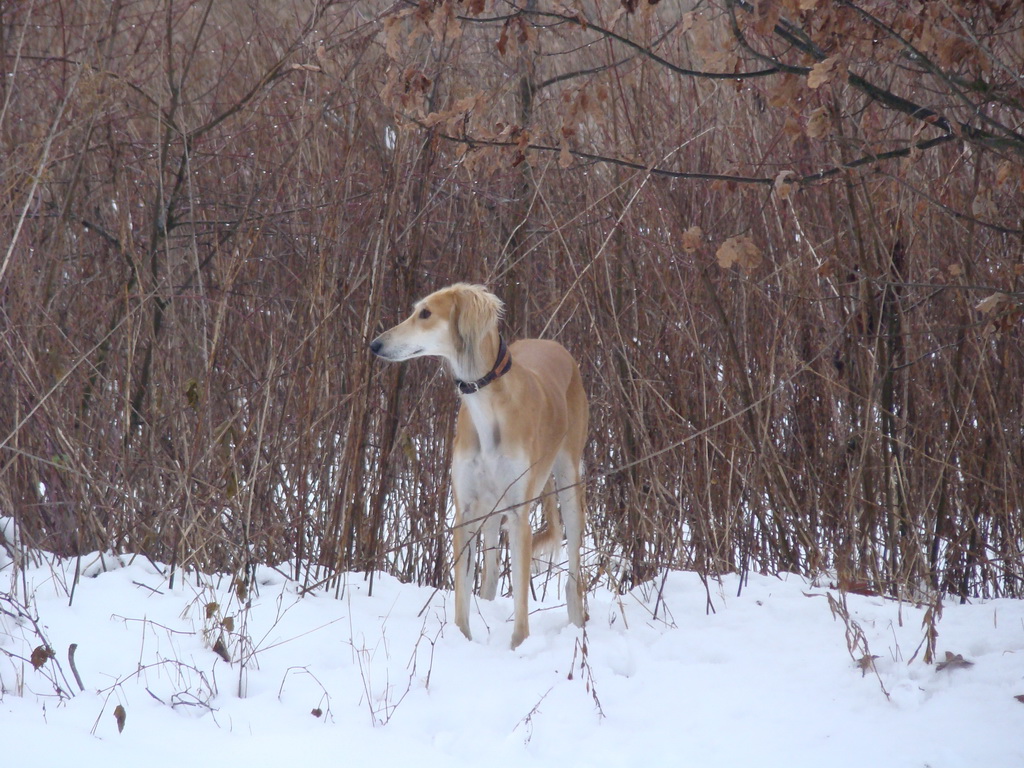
{"x": 799, "y": 40}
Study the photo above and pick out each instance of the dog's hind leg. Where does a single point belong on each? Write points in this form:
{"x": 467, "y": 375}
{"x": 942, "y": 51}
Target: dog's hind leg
{"x": 570, "y": 500}
{"x": 548, "y": 540}
{"x": 490, "y": 535}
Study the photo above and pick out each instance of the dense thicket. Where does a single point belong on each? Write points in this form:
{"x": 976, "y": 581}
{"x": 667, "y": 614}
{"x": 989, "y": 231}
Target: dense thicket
{"x": 784, "y": 240}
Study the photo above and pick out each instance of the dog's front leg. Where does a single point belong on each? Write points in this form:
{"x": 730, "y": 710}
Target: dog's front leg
{"x": 464, "y": 538}
{"x": 520, "y": 545}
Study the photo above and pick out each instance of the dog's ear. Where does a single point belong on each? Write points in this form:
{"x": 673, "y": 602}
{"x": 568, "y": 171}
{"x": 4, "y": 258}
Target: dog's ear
{"x": 475, "y": 312}
{"x": 455, "y": 324}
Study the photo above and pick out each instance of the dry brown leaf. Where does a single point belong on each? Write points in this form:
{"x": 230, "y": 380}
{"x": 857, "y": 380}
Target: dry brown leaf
{"x": 502, "y": 44}
{"x": 982, "y": 206}
{"x": 564, "y": 155}
{"x": 783, "y": 185}
{"x": 739, "y": 250}
{"x": 692, "y": 238}
{"x": 434, "y": 118}
{"x": 703, "y": 35}
{"x": 41, "y": 655}
{"x": 792, "y": 127}
{"x": 1003, "y": 172}
{"x": 120, "y": 715}
{"x": 866, "y": 664}
{"x": 392, "y": 34}
{"x": 618, "y": 13}
{"x": 766, "y": 17}
{"x": 221, "y": 649}
{"x": 468, "y": 103}
{"x": 925, "y": 39}
{"x": 992, "y": 304}
{"x": 822, "y": 72}
{"x": 444, "y": 24}
{"x": 785, "y": 92}
{"x": 953, "y": 661}
{"x": 818, "y": 123}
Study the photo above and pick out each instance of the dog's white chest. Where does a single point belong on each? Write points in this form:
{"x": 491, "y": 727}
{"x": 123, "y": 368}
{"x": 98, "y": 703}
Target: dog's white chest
{"x": 490, "y": 477}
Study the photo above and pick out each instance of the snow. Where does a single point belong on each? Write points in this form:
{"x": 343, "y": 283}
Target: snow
{"x": 657, "y": 679}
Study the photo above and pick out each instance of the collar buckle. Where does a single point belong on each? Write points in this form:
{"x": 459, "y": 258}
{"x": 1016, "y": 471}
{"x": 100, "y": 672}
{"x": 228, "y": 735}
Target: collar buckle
{"x": 500, "y": 368}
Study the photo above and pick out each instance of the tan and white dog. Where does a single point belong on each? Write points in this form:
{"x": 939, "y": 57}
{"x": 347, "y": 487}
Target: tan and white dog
{"x": 523, "y": 420}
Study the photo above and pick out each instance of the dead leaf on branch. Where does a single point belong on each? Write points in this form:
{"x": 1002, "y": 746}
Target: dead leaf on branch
{"x": 1004, "y": 173}
{"x": 739, "y": 250}
{"x": 866, "y": 663}
{"x": 822, "y": 72}
{"x": 992, "y": 304}
{"x": 392, "y": 31}
{"x": 766, "y": 16}
{"x": 692, "y": 238}
{"x": 784, "y": 185}
{"x": 818, "y": 123}
{"x": 120, "y": 716}
{"x": 1002, "y": 310}
{"x": 407, "y": 89}
{"x": 953, "y": 661}
{"x": 707, "y": 43}
{"x": 221, "y": 649}
{"x": 982, "y": 206}
{"x": 786, "y": 92}
{"x": 397, "y": 36}
{"x": 564, "y": 155}
{"x": 515, "y": 35}
{"x": 41, "y": 655}
{"x": 443, "y": 23}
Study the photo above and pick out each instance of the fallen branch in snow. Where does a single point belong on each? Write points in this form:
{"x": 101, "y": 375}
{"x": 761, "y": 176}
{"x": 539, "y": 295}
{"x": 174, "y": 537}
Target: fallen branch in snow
{"x": 74, "y": 669}
{"x": 527, "y": 720}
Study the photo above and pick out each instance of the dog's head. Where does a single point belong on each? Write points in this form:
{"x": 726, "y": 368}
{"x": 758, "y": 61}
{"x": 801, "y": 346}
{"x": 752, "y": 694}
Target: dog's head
{"x": 449, "y": 323}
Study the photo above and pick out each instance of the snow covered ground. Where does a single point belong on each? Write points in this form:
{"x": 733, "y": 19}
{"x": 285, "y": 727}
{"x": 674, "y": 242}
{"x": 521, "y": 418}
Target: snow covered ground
{"x": 765, "y": 679}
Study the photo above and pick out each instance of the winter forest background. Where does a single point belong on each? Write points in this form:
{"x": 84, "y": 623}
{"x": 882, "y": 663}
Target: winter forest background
{"x": 783, "y": 239}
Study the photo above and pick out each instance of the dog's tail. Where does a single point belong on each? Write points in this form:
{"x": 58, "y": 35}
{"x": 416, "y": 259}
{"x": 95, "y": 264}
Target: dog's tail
{"x": 548, "y": 539}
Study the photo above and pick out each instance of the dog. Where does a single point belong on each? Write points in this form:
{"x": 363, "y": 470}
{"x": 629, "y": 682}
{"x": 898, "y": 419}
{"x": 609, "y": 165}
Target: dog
{"x": 522, "y": 423}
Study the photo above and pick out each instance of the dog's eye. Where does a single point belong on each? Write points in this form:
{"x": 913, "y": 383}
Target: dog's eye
{"x": 424, "y": 314}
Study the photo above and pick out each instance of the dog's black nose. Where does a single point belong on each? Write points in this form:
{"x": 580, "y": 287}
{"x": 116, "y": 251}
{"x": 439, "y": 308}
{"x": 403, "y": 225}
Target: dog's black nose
{"x": 375, "y": 346}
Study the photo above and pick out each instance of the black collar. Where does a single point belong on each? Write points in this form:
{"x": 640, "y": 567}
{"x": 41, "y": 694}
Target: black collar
{"x": 500, "y": 368}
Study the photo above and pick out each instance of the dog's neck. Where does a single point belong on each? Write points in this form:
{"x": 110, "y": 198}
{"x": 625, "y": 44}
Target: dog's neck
{"x": 477, "y": 361}
{"x": 502, "y": 365}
